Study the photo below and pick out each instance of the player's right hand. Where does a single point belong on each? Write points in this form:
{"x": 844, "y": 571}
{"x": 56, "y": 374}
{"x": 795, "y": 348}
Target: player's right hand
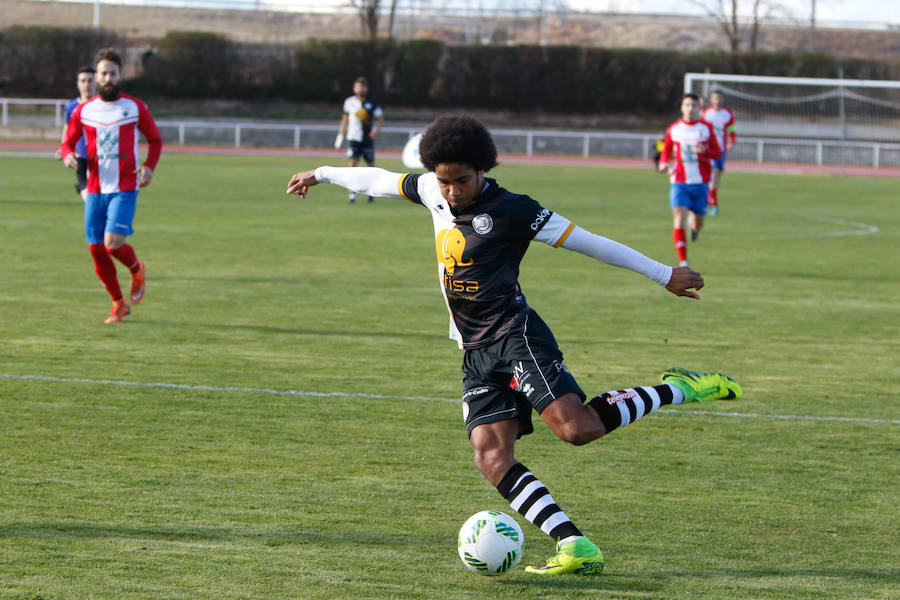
{"x": 70, "y": 160}
{"x": 301, "y": 182}
{"x": 338, "y": 141}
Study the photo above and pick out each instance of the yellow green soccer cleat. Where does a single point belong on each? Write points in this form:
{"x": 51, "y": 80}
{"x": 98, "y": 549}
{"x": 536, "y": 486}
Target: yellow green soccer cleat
{"x": 702, "y": 387}
{"x": 580, "y": 557}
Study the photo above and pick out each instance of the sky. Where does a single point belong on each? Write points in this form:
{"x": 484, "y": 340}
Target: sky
{"x": 866, "y": 13}
{"x": 882, "y": 12}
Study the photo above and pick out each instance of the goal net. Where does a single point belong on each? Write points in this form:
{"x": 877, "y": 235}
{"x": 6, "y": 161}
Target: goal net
{"x": 849, "y": 110}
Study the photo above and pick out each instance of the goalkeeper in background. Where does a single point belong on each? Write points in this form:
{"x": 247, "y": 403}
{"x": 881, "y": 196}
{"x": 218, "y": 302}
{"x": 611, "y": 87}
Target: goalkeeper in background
{"x": 722, "y": 120}
{"x": 512, "y": 364}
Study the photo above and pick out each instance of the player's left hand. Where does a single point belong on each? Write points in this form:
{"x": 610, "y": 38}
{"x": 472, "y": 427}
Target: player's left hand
{"x": 301, "y": 182}
{"x": 145, "y": 174}
{"x": 700, "y": 148}
{"x": 683, "y": 281}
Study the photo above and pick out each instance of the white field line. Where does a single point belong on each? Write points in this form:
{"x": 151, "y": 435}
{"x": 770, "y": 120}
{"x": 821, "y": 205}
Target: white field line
{"x": 306, "y": 394}
{"x": 857, "y": 229}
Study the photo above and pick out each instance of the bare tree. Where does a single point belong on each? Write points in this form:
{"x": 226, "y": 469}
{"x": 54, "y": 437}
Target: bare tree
{"x": 727, "y": 14}
{"x": 368, "y": 15}
{"x": 770, "y": 9}
{"x": 392, "y": 17}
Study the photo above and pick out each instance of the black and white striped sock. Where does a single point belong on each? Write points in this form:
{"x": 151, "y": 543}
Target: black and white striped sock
{"x": 623, "y": 407}
{"x": 528, "y": 496}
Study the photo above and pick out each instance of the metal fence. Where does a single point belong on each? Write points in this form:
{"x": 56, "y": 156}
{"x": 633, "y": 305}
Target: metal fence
{"x": 530, "y": 142}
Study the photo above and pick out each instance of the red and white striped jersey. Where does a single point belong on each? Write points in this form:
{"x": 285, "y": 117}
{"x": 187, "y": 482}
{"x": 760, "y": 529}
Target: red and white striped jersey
{"x": 111, "y": 132}
{"x": 690, "y": 167}
{"x": 722, "y": 120}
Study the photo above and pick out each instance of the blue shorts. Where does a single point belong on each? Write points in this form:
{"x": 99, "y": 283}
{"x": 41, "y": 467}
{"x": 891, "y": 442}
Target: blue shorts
{"x": 693, "y": 196}
{"x": 719, "y": 164}
{"x": 109, "y": 212}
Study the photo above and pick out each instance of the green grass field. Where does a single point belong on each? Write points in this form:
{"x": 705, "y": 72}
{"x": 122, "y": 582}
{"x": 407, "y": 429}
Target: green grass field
{"x": 280, "y": 417}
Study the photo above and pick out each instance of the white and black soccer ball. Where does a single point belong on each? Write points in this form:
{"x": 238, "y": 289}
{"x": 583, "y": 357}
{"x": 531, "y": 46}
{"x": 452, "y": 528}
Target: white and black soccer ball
{"x": 490, "y": 542}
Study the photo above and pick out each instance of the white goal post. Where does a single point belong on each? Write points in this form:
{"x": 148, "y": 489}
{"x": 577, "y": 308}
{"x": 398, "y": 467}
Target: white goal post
{"x": 806, "y": 107}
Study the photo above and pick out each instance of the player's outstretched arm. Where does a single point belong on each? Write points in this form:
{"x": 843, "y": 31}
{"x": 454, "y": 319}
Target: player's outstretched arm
{"x": 680, "y": 281}
{"x": 373, "y": 181}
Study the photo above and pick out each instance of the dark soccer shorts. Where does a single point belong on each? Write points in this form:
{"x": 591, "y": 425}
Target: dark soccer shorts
{"x": 81, "y": 174}
{"x": 365, "y": 148}
{"x": 521, "y": 371}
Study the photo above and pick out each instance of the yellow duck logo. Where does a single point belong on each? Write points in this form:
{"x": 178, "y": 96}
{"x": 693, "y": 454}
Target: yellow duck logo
{"x": 450, "y": 245}
{"x": 363, "y": 115}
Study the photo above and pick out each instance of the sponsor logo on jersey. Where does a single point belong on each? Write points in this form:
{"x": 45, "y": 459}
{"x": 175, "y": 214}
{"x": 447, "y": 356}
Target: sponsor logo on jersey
{"x": 450, "y": 245}
{"x": 107, "y": 145}
{"x": 560, "y": 367}
{"x": 541, "y": 217}
{"x": 482, "y": 223}
{"x": 476, "y": 391}
{"x": 621, "y": 397}
{"x": 456, "y": 287}
{"x": 519, "y": 381}
{"x": 363, "y": 114}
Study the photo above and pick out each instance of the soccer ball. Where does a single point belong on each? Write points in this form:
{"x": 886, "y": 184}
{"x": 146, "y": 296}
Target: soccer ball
{"x": 490, "y": 542}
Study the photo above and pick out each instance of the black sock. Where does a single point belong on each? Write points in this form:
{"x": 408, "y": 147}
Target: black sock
{"x": 528, "y": 496}
{"x": 622, "y": 407}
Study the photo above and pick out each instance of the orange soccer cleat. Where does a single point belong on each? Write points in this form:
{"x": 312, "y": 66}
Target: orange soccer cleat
{"x": 120, "y": 310}
{"x": 138, "y": 281}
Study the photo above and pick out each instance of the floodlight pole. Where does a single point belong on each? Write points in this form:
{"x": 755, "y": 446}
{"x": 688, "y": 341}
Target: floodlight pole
{"x": 96, "y": 14}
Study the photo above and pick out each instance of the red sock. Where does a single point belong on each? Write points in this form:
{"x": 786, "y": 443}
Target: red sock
{"x": 125, "y": 255}
{"x": 713, "y": 196}
{"x": 680, "y": 243}
{"x": 106, "y": 270}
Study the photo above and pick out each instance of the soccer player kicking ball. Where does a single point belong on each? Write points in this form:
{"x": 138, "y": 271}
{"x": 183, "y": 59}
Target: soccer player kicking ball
{"x": 110, "y": 123}
{"x": 512, "y": 363}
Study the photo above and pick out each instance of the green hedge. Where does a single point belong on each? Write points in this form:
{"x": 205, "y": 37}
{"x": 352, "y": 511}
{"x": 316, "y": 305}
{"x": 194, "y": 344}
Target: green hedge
{"x": 44, "y": 61}
{"x": 193, "y": 64}
{"x": 420, "y": 73}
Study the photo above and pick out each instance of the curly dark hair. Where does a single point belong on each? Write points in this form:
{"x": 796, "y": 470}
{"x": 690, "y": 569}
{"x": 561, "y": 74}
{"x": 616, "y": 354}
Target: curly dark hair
{"x": 461, "y": 139}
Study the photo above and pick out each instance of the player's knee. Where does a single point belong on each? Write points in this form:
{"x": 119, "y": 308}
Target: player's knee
{"x": 578, "y": 433}
{"x": 487, "y": 458}
{"x": 493, "y": 464}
